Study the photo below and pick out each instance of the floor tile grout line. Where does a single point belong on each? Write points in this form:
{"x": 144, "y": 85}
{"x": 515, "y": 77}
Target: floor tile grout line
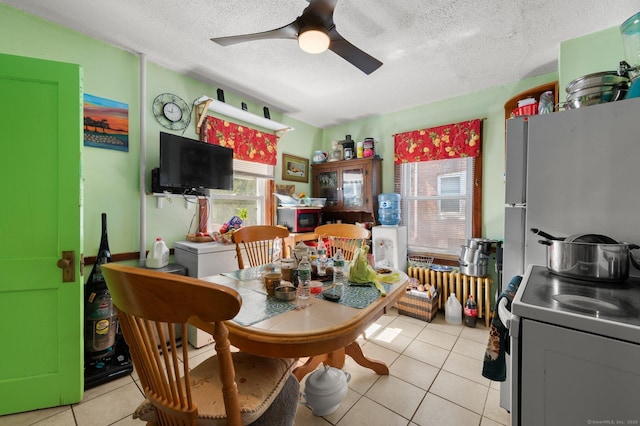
{"x": 371, "y": 339}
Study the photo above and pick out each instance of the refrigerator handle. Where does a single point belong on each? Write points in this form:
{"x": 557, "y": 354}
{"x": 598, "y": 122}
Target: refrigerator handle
{"x": 504, "y": 314}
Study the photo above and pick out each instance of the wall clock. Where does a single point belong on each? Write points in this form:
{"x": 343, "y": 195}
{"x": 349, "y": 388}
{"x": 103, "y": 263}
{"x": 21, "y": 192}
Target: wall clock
{"x": 171, "y": 111}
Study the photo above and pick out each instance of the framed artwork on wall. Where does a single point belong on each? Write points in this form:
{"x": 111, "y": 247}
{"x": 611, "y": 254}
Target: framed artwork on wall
{"x": 106, "y": 123}
{"x": 283, "y": 189}
{"x": 295, "y": 168}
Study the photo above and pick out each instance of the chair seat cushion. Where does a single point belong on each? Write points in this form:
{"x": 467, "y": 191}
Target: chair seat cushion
{"x": 259, "y": 381}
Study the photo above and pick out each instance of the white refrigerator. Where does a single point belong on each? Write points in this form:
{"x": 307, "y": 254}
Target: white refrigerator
{"x": 570, "y": 172}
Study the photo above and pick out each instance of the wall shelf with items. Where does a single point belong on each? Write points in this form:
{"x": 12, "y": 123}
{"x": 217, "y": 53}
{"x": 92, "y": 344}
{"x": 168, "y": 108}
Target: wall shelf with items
{"x": 535, "y": 93}
{"x": 205, "y": 104}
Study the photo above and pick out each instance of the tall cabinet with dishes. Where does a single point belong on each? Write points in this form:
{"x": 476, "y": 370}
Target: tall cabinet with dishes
{"x": 351, "y": 188}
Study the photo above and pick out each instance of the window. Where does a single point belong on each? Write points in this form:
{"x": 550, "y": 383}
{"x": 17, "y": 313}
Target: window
{"x": 252, "y": 182}
{"x": 440, "y": 206}
{"x": 452, "y": 190}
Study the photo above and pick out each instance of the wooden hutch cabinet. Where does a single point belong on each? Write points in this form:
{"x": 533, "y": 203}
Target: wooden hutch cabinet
{"x": 351, "y": 188}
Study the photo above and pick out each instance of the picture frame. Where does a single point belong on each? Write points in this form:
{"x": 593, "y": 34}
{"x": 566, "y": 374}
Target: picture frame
{"x": 283, "y": 189}
{"x": 295, "y": 168}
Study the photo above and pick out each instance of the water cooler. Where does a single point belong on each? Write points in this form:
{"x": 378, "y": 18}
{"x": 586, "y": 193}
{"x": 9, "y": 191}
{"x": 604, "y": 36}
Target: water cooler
{"x": 389, "y": 246}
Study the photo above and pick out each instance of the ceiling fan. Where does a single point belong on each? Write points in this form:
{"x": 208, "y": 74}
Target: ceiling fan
{"x": 315, "y": 32}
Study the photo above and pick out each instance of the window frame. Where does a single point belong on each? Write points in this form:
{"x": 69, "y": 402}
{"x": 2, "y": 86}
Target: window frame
{"x": 265, "y": 184}
{"x": 475, "y": 186}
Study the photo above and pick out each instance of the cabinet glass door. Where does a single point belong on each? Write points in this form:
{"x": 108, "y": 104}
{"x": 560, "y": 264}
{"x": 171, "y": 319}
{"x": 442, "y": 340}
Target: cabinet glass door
{"x": 353, "y": 188}
{"x": 328, "y": 187}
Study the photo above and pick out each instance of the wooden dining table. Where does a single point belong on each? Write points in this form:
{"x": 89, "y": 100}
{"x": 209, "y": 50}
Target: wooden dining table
{"x": 322, "y": 330}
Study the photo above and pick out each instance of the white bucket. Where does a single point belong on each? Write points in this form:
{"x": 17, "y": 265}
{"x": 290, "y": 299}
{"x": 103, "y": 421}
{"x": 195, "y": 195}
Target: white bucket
{"x": 158, "y": 256}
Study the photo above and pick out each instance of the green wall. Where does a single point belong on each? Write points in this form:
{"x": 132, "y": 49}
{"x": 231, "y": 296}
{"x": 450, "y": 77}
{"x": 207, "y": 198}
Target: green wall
{"x": 111, "y": 178}
{"x": 596, "y": 52}
{"x": 487, "y": 104}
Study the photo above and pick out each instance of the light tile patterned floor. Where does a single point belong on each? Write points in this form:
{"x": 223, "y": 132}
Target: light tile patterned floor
{"x": 435, "y": 379}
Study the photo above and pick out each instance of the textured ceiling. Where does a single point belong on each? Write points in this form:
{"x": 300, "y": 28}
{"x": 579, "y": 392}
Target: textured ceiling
{"x": 431, "y": 50}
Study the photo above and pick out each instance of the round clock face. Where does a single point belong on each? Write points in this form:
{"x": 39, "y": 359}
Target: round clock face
{"x": 171, "y": 111}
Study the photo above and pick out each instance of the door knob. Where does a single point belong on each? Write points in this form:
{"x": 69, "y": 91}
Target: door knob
{"x": 67, "y": 264}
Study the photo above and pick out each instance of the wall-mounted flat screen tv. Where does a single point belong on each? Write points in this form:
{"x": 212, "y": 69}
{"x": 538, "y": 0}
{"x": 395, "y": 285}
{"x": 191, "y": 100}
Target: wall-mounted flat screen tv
{"x": 190, "y": 166}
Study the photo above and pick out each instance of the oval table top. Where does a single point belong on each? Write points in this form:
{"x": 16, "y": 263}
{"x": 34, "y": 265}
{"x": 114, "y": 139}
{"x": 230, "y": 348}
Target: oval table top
{"x": 314, "y": 326}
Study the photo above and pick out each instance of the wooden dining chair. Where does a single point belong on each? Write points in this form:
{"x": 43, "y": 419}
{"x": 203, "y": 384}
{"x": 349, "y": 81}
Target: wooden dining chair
{"x": 343, "y": 236}
{"x": 227, "y": 388}
{"x": 257, "y": 243}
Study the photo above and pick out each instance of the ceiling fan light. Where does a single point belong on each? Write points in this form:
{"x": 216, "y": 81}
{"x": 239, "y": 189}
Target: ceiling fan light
{"x": 313, "y": 40}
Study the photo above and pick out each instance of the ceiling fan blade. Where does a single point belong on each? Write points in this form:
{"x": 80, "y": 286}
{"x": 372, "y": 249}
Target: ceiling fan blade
{"x": 361, "y": 60}
{"x": 289, "y": 31}
{"x": 319, "y": 12}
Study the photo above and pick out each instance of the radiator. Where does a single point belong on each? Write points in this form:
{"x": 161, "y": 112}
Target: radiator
{"x": 462, "y": 285}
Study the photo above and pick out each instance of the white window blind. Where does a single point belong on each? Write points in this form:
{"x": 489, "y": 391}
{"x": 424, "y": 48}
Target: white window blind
{"x": 437, "y": 203}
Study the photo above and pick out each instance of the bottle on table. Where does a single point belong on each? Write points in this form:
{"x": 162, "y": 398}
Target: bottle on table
{"x": 304, "y": 278}
{"x": 322, "y": 258}
{"x": 470, "y": 312}
{"x": 339, "y": 278}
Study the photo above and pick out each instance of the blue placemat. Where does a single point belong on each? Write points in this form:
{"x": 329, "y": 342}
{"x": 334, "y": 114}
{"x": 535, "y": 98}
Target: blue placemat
{"x": 358, "y": 296}
{"x": 257, "y": 306}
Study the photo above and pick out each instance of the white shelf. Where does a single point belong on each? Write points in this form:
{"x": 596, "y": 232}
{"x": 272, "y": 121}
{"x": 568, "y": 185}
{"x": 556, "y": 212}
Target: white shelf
{"x": 214, "y": 105}
{"x": 189, "y": 200}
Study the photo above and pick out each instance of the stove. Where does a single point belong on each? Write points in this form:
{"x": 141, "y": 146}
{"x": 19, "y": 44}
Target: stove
{"x": 575, "y": 347}
{"x": 608, "y": 309}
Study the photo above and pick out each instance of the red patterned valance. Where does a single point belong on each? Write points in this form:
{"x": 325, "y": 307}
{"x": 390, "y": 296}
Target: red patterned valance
{"x": 247, "y": 143}
{"x": 438, "y": 143}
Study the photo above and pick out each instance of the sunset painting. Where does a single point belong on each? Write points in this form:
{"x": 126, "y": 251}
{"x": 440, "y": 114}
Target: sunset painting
{"x": 106, "y": 123}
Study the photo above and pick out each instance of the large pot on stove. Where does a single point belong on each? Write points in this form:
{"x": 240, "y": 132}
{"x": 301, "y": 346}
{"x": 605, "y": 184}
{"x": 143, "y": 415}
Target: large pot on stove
{"x": 590, "y": 257}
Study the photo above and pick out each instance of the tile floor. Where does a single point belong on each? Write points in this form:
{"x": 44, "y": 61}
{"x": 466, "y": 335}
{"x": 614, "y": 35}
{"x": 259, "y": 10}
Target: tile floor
{"x": 435, "y": 379}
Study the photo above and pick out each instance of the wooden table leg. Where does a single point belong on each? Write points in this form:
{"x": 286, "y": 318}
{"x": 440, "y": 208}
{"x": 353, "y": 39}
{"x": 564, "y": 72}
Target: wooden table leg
{"x": 309, "y": 366}
{"x": 355, "y": 351}
{"x": 336, "y": 359}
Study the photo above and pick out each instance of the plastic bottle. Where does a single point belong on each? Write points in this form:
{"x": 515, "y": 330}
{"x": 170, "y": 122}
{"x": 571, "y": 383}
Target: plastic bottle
{"x": 470, "y": 312}
{"x": 339, "y": 277}
{"x": 322, "y": 258}
{"x": 158, "y": 256}
{"x": 304, "y": 278}
{"x": 453, "y": 310}
{"x": 389, "y": 209}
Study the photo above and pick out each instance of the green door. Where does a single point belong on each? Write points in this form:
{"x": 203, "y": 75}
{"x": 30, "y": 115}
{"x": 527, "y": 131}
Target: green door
{"x": 41, "y": 360}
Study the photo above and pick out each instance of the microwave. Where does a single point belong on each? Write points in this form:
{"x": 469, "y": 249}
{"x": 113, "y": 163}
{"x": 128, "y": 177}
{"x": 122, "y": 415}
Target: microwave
{"x": 299, "y": 219}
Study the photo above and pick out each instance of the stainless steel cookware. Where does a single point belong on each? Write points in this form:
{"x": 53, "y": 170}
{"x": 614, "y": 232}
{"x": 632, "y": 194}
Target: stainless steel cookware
{"x": 598, "y": 79}
{"x": 479, "y": 269}
{"x": 600, "y": 262}
{"x": 482, "y": 244}
{"x": 576, "y": 238}
{"x": 471, "y": 255}
{"x": 596, "y": 95}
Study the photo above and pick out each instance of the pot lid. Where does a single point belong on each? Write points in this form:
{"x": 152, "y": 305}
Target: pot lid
{"x": 598, "y": 79}
{"x": 326, "y": 380}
